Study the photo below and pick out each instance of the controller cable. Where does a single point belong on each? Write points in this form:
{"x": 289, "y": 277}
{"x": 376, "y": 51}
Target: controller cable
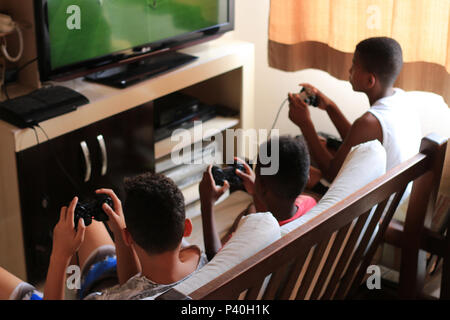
{"x": 271, "y": 129}
{"x": 278, "y": 114}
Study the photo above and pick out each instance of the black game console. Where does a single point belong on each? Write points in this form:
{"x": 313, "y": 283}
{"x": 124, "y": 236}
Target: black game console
{"x": 179, "y": 111}
{"x": 39, "y": 105}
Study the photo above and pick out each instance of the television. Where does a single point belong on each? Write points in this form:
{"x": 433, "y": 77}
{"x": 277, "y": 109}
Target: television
{"x": 123, "y": 39}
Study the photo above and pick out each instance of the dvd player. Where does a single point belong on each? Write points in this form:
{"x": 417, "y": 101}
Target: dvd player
{"x": 179, "y": 111}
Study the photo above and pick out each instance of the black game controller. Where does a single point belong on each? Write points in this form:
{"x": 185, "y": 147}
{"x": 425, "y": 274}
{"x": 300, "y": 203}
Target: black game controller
{"x": 309, "y": 98}
{"x": 92, "y": 209}
{"x": 229, "y": 174}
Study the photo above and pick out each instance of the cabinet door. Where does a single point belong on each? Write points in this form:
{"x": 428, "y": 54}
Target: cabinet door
{"x": 122, "y": 146}
{"x": 76, "y": 164}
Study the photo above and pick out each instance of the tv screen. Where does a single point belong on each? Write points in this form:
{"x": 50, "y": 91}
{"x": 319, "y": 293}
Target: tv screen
{"x": 83, "y": 34}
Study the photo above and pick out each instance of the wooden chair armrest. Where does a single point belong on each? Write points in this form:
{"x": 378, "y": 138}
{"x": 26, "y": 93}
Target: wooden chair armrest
{"x": 431, "y": 242}
{"x": 394, "y": 233}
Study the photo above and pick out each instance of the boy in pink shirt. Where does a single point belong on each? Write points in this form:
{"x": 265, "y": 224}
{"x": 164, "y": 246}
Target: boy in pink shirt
{"x": 278, "y": 193}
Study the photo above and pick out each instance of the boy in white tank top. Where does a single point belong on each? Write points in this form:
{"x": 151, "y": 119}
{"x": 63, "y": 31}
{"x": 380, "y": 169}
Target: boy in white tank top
{"x": 376, "y": 65}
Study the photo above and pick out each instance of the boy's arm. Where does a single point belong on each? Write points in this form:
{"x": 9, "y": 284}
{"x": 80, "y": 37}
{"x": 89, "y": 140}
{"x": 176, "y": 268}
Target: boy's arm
{"x": 299, "y": 114}
{"x": 339, "y": 120}
{"x": 56, "y": 277}
{"x": 336, "y": 116}
{"x": 364, "y": 129}
{"x": 128, "y": 263}
{"x": 210, "y": 234}
{"x": 66, "y": 241}
{"x": 209, "y": 193}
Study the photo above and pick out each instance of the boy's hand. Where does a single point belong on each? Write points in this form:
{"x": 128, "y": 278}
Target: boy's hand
{"x": 322, "y": 100}
{"x": 298, "y": 110}
{"x": 209, "y": 192}
{"x": 67, "y": 241}
{"x": 248, "y": 177}
{"x": 116, "y": 220}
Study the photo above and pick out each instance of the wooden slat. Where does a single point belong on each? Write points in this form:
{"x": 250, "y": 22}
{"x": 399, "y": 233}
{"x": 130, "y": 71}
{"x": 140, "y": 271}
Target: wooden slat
{"x": 336, "y": 248}
{"x": 346, "y": 281}
{"x": 275, "y": 281}
{"x": 252, "y": 293}
{"x": 312, "y": 268}
{"x": 294, "y": 274}
{"x": 361, "y": 272}
{"x": 348, "y": 250}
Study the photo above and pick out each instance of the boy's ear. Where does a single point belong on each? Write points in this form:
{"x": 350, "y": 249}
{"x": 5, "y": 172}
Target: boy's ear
{"x": 127, "y": 238}
{"x": 372, "y": 79}
{"x": 187, "y": 228}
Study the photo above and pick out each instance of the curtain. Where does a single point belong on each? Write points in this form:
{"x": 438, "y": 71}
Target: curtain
{"x": 323, "y": 34}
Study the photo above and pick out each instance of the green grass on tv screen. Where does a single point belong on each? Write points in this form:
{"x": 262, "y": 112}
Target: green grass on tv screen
{"x": 96, "y": 28}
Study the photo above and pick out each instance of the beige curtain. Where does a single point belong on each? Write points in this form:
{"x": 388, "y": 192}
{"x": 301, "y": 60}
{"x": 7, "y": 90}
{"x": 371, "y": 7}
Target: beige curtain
{"x": 323, "y": 34}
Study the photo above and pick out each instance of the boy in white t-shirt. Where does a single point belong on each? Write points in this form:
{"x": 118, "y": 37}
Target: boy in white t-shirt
{"x": 376, "y": 65}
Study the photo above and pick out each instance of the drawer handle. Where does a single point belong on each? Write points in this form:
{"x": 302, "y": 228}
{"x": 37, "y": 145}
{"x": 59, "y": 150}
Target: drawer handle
{"x": 87, "y": 160}
{"x": 101, "y": 142}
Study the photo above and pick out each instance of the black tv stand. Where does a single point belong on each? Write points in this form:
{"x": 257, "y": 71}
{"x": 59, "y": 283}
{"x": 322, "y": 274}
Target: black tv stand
{"x": 129, "y": 74}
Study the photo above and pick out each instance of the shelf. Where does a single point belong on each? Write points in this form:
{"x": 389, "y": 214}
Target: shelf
{"x": 209, "y": 129}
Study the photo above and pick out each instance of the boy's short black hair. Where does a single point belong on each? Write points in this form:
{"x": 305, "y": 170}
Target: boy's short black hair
{"x": 382, "y": 56}
{"x": 154, "y": 212}
{"x": 293, "y": 170}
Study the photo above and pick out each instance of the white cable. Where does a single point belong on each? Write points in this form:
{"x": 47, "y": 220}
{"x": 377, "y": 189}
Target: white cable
{"x": 19, "y": 55}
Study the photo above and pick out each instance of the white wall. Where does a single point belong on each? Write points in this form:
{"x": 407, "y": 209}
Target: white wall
{"x": 272, "y": 85}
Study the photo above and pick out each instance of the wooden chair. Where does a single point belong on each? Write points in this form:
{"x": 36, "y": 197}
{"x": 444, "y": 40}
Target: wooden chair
{"x": 415, "y": 237}
{"x": 327, "y": 257}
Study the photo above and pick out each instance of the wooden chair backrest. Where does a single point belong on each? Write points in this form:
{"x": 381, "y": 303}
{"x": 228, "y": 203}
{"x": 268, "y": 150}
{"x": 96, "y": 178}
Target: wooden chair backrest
{"x": 327, "y": 257}
{"x": 414, "y": 236}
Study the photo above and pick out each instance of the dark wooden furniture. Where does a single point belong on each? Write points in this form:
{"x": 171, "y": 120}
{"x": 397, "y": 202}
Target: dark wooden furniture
{"x": 327, "y": 257}
{"x": 417, "y": 240}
